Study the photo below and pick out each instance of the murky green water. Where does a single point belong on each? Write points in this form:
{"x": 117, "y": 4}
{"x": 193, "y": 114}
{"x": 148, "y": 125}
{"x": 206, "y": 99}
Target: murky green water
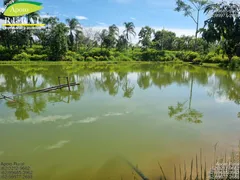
{"x": 143, "y": 113}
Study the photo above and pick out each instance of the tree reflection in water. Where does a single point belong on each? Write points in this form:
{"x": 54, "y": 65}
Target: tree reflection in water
{"x": 114, "y": 79}
{"x": 181, "y": 112}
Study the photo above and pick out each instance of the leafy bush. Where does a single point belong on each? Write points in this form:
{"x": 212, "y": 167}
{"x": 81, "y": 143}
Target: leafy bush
{"x": 112, "y": 58}
{"x": 236, "y": 58}
{"x": 152, "y": 55}
{"x": 71, "y": 56}
{"x": 123, "y": 58}
{"x": 7, "y": 54}
{"x": 180, "y": 55}
{"x": 36, "y": 57}
{"x": 187, "y": 56}
{"x": 90, "y": 59}
{"x": 191, "y": 56}
{"x": 102, "y": 58}
{"x": 21, "y": 57}
{"x": 216, "y": 59}
{"x": 234, "y": 65}
{"x": 30, "y": 51}
{"x": 209, "y": 56}
{"x": 98, "y": 52}
{"x": 197, "y": 60}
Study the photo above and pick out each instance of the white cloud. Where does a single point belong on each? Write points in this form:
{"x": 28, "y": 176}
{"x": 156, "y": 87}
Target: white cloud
{"x": 133, "y": 18}
{"x": 101, "y": 23}
{"x": 86, "y": 120}
{"x": 2, "y": 9}
{"x": 37, "y": 119}
{"x": 222, "y": 99}
{"x": 81, "y": 17}
{"x": 47, "y": 16}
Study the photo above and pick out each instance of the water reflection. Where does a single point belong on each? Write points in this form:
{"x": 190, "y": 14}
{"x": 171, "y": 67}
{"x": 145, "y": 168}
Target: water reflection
{"x": 181, "y": 112}
{"x": 114, "y": 80}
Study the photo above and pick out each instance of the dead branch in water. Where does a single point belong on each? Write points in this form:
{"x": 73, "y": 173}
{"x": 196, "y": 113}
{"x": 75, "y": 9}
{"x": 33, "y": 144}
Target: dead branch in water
{"x": 162, "y": 171}
{"x": 191, "y": 170}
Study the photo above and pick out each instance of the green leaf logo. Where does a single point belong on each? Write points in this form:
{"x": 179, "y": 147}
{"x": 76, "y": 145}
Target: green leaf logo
{"x": 20, "y": 8}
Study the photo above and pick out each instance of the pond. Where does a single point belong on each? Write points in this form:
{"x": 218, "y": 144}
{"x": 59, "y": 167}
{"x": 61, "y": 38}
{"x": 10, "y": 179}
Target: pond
{"x": 144, "y": 114}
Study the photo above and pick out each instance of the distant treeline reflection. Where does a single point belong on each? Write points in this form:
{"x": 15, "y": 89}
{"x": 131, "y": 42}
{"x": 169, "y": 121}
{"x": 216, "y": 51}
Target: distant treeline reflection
{"x": 113, "y": 79}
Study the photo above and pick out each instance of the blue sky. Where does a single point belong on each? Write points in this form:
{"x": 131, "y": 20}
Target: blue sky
{"x": 99, "y": 14}
{"x": 155, "y": 13}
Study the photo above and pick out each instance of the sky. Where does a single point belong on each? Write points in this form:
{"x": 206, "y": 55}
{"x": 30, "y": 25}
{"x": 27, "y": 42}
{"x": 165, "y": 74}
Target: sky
{"x": 99, "y": 14}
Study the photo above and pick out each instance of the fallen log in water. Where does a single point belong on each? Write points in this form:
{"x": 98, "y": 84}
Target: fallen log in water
{"x": 53, "y": 88}
{"x": 135, "y": 169}
{"x": 6, "y": 97}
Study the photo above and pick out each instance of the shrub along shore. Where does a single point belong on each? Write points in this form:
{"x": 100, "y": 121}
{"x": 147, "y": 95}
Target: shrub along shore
{"x": 38, "y": 54}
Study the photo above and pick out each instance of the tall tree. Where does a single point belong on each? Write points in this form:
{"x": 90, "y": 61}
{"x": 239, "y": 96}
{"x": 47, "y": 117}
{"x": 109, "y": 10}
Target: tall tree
{"x": 102, "y": 37}
{"x": 58, "y": 42}
{"x": 112, "y": 34}
{"x": 129, "y": 30}
{"x": 145, "y": 36}
{"x": 223, "y": 26}
{"x": 122, "y": 43}
{"x": 190, "y": 8}
{"x": 164, "y": 40}
{"x": 73, "y": 26}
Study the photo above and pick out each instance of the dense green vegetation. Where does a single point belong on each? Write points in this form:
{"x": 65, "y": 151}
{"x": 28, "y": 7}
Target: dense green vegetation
{"x": 218, "y": 43}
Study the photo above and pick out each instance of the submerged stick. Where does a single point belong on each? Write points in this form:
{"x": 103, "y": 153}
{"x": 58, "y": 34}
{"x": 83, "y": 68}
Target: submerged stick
{"x": 175, "y": 173}
{"x": 162, "y": 170}
{"x": 191, "y": 170}
{"x": 136, "y": 170}
{"x": 215, "y": 150}
{"x": 196, "y": 167}
{"x": 51, "y": 88}
{"x": 185, "y": 169}
{"x": 201, "y": 161}
{"x": 205, "y": 170}
{"x": 180, "y": 171}
{"x": 68, "y": 84}
{"x": 239, "y": 159}
{"x": 226, "y": 157}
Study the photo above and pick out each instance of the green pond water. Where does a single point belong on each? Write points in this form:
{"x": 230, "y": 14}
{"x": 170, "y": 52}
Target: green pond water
{"x": 145, "y": 113}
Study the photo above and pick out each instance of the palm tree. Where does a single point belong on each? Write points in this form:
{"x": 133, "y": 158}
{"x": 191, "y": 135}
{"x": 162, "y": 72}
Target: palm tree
{"x": 113, "y": 30}
{"x": 50, "y": 22}
{"x": 73, "y": 26}
{"x": 79, "y": 38}
{"x": 102, "y": 37}
{"x": 129, "y": 29}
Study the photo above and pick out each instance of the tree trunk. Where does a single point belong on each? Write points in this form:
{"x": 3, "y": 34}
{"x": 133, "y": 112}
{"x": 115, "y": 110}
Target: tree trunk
{"x": 195, "y": 46}
{"x": 191, "y": 92}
